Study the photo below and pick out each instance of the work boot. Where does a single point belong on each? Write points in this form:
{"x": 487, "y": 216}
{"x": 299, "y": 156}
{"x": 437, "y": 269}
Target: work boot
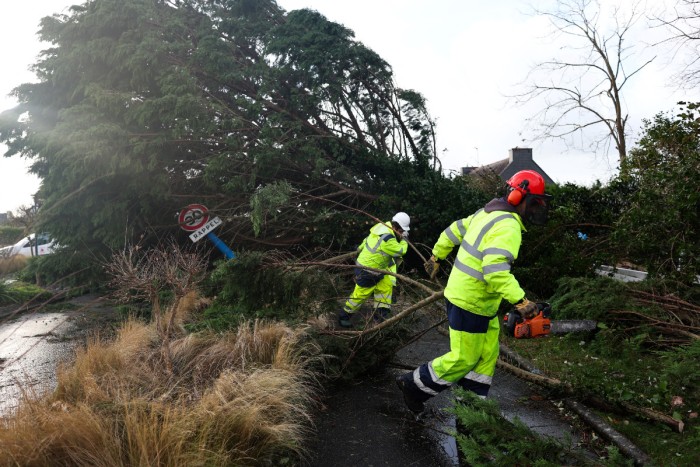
{"x": 344, "y": 319}
{"x": 414, "y": 404}
{"x": 381, "y": 314}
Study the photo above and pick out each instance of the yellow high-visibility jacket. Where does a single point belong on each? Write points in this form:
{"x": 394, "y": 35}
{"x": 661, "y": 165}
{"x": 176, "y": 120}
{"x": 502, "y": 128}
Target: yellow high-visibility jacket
{"x": 488, "y": 243}
{"x": 380, "y": 249}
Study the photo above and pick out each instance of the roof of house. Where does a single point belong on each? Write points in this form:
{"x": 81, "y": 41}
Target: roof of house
{"x": 517, "y": 160}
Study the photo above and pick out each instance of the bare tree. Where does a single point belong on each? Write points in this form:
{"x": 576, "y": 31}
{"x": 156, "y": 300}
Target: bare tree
{"x": 25, "y": 216}
{"x": 683, "y": 22}
{"x": 582, "y": 88}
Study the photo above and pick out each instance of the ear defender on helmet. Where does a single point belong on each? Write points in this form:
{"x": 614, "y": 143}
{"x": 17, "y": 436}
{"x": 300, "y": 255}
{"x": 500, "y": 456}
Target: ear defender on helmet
{"x": 515, "y": 197}
{"x": 517, "y": 192}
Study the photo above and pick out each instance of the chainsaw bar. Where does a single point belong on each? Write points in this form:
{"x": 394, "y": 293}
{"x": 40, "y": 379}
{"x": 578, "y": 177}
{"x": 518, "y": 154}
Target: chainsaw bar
{"x": 563, "y": 326}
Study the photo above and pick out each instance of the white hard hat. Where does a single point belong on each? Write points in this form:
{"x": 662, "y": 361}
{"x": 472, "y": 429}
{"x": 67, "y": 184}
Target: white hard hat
{"x": 403, "y": 220}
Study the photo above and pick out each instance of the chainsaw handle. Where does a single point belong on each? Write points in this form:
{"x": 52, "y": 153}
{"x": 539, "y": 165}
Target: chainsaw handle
{"x": 513, "y": 319}
{"x": 545, "y": 308}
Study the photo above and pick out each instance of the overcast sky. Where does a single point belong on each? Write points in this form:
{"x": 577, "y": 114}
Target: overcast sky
{"x": 464, "y": 56}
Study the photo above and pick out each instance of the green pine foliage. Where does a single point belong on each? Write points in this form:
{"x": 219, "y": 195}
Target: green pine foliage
{"x": 589, "y": 298}
{"x": 596, "y": 297}
{"x": 264, "y": 285}
{"x": 266, "y": 201}
{"x": 486, "y": 438}
{"x": 144, "y": 107}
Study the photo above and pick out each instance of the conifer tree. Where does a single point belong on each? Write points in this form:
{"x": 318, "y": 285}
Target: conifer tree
{"x": 281, "y": 123}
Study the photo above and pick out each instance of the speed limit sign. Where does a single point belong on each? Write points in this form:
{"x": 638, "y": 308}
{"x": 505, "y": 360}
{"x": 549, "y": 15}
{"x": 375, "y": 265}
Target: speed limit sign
{"x": 193, "y": 217}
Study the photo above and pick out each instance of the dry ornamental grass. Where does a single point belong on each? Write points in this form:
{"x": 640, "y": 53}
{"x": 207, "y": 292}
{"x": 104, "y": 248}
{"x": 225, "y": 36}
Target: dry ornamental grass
{"x": 12, "y": 264}
{"x": 242, "y": 398}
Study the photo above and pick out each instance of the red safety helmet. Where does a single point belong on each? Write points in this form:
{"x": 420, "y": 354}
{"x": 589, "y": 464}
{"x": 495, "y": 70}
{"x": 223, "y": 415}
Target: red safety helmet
{"x": 525, "y": 182}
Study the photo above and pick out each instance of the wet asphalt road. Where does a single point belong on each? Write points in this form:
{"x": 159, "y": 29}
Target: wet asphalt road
{"x": 30, "y": 349}
{"x": 367, "y": 424}
{"x": 32, "y": 344}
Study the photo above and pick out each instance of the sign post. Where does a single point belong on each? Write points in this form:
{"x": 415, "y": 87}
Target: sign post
{"x": 195, "y": 219}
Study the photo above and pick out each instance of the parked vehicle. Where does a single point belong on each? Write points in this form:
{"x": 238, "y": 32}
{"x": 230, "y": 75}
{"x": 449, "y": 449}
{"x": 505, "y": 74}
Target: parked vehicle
{"x": 32, "y": 245}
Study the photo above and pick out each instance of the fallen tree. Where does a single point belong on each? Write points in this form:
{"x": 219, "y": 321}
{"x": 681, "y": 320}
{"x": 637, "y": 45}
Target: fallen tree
{"x": 530, "y": 373}
{"x": 281, "y": 123}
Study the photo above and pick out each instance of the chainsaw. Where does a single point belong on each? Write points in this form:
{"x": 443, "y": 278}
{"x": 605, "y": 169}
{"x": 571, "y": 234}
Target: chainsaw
{"x": 537, "y": 326}
{"x": 541, "y": 324}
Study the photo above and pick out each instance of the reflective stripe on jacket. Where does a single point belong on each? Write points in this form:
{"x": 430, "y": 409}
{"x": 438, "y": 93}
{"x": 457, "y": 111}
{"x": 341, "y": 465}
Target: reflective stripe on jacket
{"x": 488, "y": 244}
{"x": 380, "y": 250}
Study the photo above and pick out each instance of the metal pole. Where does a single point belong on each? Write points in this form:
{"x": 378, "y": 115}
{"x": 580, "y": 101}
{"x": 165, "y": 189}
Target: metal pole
{"x": 228, "y": 253}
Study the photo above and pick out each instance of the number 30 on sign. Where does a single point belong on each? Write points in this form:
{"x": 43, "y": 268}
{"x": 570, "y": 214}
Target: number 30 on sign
{"x": 195, "y": 218}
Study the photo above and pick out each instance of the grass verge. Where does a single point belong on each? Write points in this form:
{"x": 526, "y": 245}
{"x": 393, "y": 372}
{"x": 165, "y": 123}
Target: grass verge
{"x": 21, "y": 292}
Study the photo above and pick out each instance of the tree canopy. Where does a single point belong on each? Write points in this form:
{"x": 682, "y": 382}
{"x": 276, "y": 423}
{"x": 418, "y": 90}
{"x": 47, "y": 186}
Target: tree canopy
{"x": 281, "y": 123}
{"x": 659, "y": 228}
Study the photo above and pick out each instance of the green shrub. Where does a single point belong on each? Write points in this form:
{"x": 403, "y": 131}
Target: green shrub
{"x": 219, "y": 318}
{"x": 558, "y": 249}
{"x": 9, "y": 235}
{"x": 5, "y": 296}
{"x": 660, "y": 227}
{"x": 79, "y": 272}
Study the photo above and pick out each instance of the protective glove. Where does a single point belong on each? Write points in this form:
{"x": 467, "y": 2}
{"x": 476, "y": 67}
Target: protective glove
{"x": 431, "y": 267}
{"x": 526, "y": 308}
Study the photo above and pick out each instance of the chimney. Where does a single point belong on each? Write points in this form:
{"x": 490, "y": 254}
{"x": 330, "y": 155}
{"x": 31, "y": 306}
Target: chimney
{"x": 521, "y": 154}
